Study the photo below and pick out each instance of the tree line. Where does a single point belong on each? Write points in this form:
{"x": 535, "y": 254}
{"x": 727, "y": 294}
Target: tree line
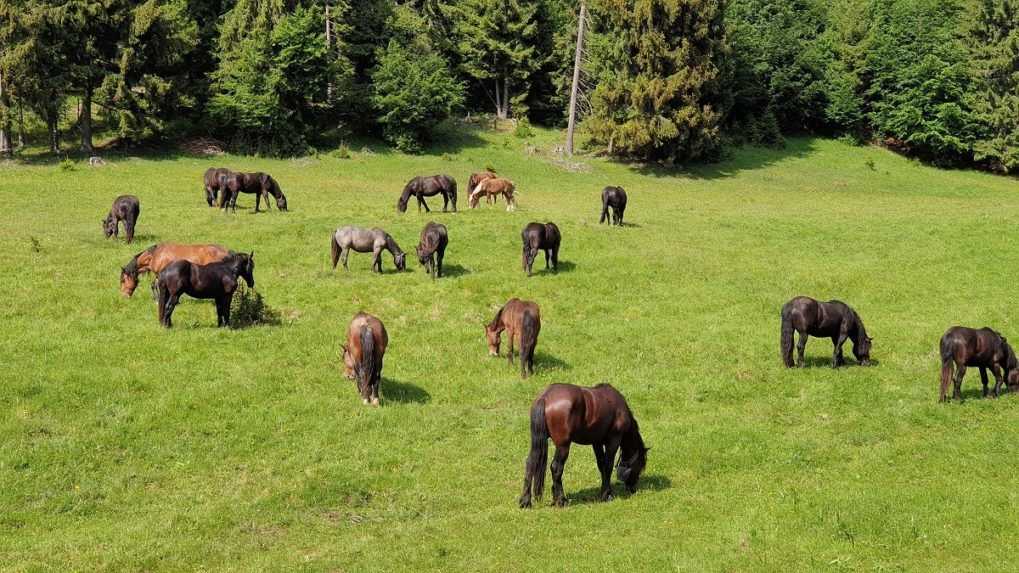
{"x": 661, "y": 80}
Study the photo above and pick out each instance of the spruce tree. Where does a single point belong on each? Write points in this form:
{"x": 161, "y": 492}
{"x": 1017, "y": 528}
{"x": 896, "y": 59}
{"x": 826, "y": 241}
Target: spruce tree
{"x": 996, "y": 56}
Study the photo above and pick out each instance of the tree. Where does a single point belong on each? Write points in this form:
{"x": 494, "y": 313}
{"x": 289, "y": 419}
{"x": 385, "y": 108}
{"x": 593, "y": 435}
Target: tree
{"x": 996, "y": 58}
{"x": 660, "y": 97}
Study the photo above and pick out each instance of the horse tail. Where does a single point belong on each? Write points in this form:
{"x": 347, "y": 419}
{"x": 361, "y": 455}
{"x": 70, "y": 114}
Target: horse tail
{"x": 528, "y": 340}
{"x": 947, "y": 363}
{"x": 604, "y": 208}
{"x": 336, "y": 250}
{"x": 367, "y": 368}
{"x": 537, "y": 459}
{"x": 452, "y": 190}
{"x": 787, "y": 336}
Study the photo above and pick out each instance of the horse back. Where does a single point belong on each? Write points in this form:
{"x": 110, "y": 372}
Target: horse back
{"x": 167, "y": 253}
{"x": 379, "y": 335}
{"x": 973, "y": 347}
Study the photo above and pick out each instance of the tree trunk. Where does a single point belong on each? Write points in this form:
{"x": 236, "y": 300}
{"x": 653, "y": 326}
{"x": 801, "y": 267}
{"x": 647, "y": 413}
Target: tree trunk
{"x": 576, "y": 78}
{"x": 498, "y": 101}
{"x": 21, "y": 125}
{"x": 85, "y": 120}
{"x": 505, "y": 98}
{"x": 329, "y": 46}
{"x": 5, "y": 124}
{"x": 51, "y": 123}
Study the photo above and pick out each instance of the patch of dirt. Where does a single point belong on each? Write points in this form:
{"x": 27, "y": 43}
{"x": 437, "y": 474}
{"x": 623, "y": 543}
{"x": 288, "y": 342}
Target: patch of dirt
{"x": 203, "y": 146}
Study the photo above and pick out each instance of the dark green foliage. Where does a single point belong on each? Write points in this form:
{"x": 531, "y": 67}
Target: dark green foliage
{"x": 247, "y": 308}
{"x": 996, "y": 56}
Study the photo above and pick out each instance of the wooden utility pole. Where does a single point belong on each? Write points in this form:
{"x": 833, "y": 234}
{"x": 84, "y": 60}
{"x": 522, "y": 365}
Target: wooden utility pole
{"x": 576, "y": 77}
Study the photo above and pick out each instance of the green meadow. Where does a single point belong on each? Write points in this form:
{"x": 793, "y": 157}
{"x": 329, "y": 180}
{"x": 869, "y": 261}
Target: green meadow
{"x": 128, "y": 447}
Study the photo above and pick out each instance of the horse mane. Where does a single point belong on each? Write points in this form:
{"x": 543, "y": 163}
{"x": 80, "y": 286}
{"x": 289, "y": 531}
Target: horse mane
{"x": 392, "y": 246}
{"x": 132, "y": 266}
{"x": 497, "y": 319}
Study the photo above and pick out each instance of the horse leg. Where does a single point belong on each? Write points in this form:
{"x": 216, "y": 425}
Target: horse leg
{"x": 555, "y": 260}
{"x": 377, "y": 260}
{"x": 999, "y": 380}
{"x": 801, "y": 346}
{"x": 837, "y": 358}
{"x": 606, "y": 484}
{"x": 171, "y": 303}
{"x": 440, "y": 254}
{"x": 960, "y": 371}
{"x": 375, "y": 389}
{"x": 548, "y": 258}
{"x": 432, "y": 266}
{"x": 445, "y": 202}
{"x": 163, "y": 296}
{"x": 343, "y": 255}
{"x": 509, "y": 334}
{"x": 558, "y": 464}
{"x": 983, "y": 380}
{"x": 611, "y": 447}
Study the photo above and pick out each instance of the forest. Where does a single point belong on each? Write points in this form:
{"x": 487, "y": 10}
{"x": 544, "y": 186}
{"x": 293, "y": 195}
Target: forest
{"x": 670, "y": 81}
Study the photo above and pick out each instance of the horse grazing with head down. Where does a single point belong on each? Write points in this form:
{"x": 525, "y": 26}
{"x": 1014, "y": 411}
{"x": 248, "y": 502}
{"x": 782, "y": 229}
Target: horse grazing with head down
{"x": 421, "y": 187}
{"x": 521, "y": 319}
{"x": 125, "y": 208}
{"x": 477, "y": 178}
{"x": 261, "y": 184}
{"x": 363, "y": 240}
{"x": 833, "y": 319}
{"x": 597, "y": 416}
{"x": 493, "y": 188}
{"x": 614, "y": 198}
{"x": 157, "y": 257}
{"x": 362, "y": 355}
{"x": 215, "y": 280}
{"x": 983, "y": 348}
{"x": 546, "y": 237}
{"x": 213, "y": 179}
{"x": 432, "y": 248}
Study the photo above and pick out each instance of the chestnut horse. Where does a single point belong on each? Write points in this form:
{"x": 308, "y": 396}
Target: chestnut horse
{"x": 477, "y": 178}
{"x": 596, "y": 416}
{"x": 493, "y": 188}
{"x": 125, "y": 208}
{"x": 432, "y": 248}
{"x": 521, "y": 320}
{"x": 362, "y": 355}
{"x": 157, "y": 257}
{"x": 983, "y": 348}
{"x": 214, "y": 181}
{"x": 261, "y": 184}
{"x": 614, "y": 198}
{"x": 833, "y": 319}
{"x": 537, "y": 236}
{"x": 422, "y": 187}
{"x": 215, "y": 280}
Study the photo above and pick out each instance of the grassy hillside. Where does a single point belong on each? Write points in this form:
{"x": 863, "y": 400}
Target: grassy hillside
{"x": 128, "y": 447}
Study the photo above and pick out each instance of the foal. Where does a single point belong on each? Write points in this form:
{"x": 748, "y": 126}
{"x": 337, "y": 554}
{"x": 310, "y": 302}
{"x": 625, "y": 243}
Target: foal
{"x": 214, "y": 280}
{"x": 522, "y": 322}
{"x": 125, "y": 208}
{"x": 545, "y": 237}
{"x": 984, "y": 348}
{"x": 615, "y": 198}
{"x": 432, "y": 248}
{"x": 833, "y": 319}
{"x": 362, "y": 355}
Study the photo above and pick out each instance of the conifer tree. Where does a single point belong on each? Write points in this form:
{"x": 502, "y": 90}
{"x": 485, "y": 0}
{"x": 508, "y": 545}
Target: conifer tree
{"x": 996, "y": 55}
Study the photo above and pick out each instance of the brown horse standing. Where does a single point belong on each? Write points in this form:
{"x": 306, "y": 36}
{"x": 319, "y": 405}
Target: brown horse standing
{"x": 421, "y": 187}
{"x": 521, "y": 319}
{"x": 362, "y": 355}
{"x": 537, "y": 236}
{"x": 214, "y": 179}
{"x": 493, "y": 188}
{"x": 596, "y": 416}
{"x": 477, "y": 178}
{"x": 125, "y": 208}
{"x": 983, "y": 348}
{"x": 157, "y": 257}
{"x": 261, "y": 184}
{"x": 833, "y": 319}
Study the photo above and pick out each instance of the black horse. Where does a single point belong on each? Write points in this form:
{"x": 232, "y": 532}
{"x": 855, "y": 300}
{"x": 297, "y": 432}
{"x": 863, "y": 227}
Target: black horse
{"x": 214, "y": 280}
{"x": 125, "y": 208}
{"x": 833, "y": 319}
{"x": 545, "y": 237}
{"x": 432, "y": 248}
{"x": 983, "y": 348}
{"x": 615, "y": 198}
{"x": 213, "y": 179}
{"x": 261, "y": 184}
{"x": 422, "y": 187}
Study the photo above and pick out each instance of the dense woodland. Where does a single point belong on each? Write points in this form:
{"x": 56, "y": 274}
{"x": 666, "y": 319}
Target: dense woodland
{"x": 662, "y": 80}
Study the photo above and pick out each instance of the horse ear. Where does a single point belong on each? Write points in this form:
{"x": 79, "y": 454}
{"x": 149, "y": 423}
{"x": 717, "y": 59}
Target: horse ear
{"x": 252, "y": 255}
{"x": 646, "y": 450}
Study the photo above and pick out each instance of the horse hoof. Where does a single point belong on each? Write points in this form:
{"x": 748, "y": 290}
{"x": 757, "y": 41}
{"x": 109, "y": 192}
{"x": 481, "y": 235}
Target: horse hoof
{"x": 364, "y": 401}
{"x": 375, "y": 402}
{"x": 561, "y": 502}
{"x": 525, "y": 503}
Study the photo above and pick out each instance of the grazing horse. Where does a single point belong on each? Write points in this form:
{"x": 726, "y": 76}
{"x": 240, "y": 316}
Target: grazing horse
{"x": 615, "y": 198}
{"x": 597, "y": 416}
{"x": 432, "y": 248}
{"x": 157, "y": 257}
{"x": 521, "y": 319}
{"x": 833, "y": 319}
{"x": 125, "y": 208}
{"x": 213, "y": 180}
{"x": 362, "y": 355}
{"x": 984, "y": 348}
{"x": 422, "y": 187}
{"x": 366, "y": 241}
{"x": 537, "y": 236}
{"x": 493, "y": 188}
{"x": 477, "y": 178}
{"x": 261, "y": 184}
{"x": 214, "y": 280}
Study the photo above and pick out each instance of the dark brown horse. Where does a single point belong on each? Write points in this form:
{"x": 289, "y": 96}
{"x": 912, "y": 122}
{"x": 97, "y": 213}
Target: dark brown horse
{"x": 614, "y": 198}
{"x": 545, "y": 237}
{"x": 596, "y": 416}
{"x": 157, "y": 257}
{"x": 125, "y": 208}
{"x": 215, "y": 280}
{"x": 521, "y": 319}
{"x": 432, "y": 248}
{"x": 261, "y": 184}
{"x": 477, "y": 178}
{"x": 213, "y": 179}
{"x": 833, "y": 319}
{"x": 983, "y": 348}
{"x": 362, "y": 355}
{"x": 422, "y": 187}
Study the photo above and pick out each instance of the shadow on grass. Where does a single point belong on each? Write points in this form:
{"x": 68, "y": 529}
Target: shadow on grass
{"x": 543, "y": 361}
{"x": 404, "y": 392}
{"x": 738, "y": 159}
{"x": 825, "y": 362}
{"x": 562, "y": 267}
{"x": 453, "y": 271}
{"x": 592, "y": 494}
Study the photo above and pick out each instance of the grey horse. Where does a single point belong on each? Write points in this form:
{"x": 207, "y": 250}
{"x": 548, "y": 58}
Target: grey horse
{"x": 366, "y": 241}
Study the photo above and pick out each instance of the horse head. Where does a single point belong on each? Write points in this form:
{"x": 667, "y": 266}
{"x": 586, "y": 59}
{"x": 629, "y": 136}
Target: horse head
{"x": 246, "y": 268}
{"x": 1011, "y": 364}
{"x": 128, "y": 281}
{"x": 109, "y": 225}
{"x": 424, "y": 257}
{"x": 494, "y": 337}
{"x": 629, "y": 469}
{"x": 348, "y": 362}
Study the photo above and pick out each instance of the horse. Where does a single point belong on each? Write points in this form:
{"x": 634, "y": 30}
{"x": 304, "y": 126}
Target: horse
{"x": 833, "y": 319}
{"x": 984, "y": 348}
{"x": 214, "y": 280}
{"x": 432, "y": 248}
{"x": 615, "y": 198}
{"x": 545, "y": 237}
{"x": 422, "y": 187}
{"x": 477, "y": 178}
{"x": 493, "y": 188}
{"x": 125, "y": 208}
{"x": 597, "y": 416}
{"x": 157, "y": 257}
{"x": 521, "y": 319}
{"x": 362, "y": 355}
{"x": 366, "y": 241}
{"x": 213, "y": 183}
{"x": 261, "y": 184}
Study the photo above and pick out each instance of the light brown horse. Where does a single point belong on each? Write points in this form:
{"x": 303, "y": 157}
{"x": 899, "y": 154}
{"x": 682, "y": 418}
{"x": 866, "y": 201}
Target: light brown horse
{"x": 477, "y": 178}
{"x": 521, "y": 319}
{"x": 157, "y": 257}
{"x": 492, "y": 188}
{"x": 362, "y": 355}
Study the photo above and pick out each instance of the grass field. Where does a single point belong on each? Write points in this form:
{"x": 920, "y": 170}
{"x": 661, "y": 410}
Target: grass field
{"x": 129, "y": 447}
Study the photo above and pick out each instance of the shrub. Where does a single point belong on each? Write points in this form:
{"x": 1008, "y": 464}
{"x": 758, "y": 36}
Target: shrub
{"x": 249, "y": 309}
